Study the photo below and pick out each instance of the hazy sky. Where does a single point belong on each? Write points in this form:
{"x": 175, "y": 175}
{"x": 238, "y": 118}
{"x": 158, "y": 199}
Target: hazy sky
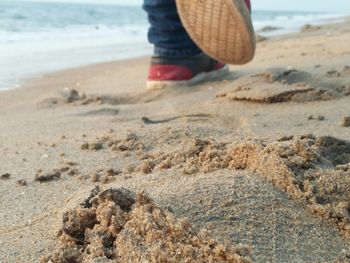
{"x": 307, "y": 5}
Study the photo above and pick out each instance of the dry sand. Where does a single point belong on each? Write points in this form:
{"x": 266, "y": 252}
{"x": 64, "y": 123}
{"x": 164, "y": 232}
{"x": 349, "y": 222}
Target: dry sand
{"x": 258, "y": 164}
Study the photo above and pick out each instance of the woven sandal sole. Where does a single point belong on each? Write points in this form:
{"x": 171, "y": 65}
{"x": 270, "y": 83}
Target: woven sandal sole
{"x": 221, "y": 28}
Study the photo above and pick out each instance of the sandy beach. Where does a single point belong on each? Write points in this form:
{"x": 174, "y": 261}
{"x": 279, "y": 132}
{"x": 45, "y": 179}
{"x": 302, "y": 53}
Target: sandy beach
{"x": 260, "y": 160}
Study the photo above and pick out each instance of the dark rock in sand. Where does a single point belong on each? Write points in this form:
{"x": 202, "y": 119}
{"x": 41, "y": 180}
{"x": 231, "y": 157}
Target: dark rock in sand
{"x": 345, "y": 72}
{"x": 309, "y": 28}
{"x": 345, "y": 122}
{"x": 333, "y": 73}
{"x": 22, "y": 182}
{"x": 71, "y": 95}
{"x": 5, "y": 176}
{"x": 269, "y": 28}
{"x": 318, "y": 118}
{"x": 286, "y": 138}
{"x": 85, "y": 146}
{"x": 97, "y": 146}
{"x": 48, "y": 176}
{"x": 93, "y": 146}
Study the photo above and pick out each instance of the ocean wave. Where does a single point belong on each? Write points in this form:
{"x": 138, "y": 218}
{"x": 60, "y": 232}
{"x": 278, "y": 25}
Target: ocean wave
{"x": 18, "y": 17}
{"x": 29, "y": 21}
{"x": 127, "y": 32}
{"x": 28, "y": 17}
{"x": 290, "y": 21}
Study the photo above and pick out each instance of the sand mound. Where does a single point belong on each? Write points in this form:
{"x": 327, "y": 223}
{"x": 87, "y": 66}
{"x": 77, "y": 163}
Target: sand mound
{"x": 128, "y": 143}
{"x": 279, "y": 85}
{"x": 194, "y": 156}
{"x": 117, "y": 225}
{"x": 313, "y": 170}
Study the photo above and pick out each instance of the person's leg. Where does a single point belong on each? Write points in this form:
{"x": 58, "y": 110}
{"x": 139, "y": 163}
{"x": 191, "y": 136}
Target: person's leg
{"x": 177, "y": 59}
{"x": 166, "y": 32}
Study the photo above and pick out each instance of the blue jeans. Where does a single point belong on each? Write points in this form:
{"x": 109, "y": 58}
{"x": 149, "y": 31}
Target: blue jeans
{"x": 166, "y": 32}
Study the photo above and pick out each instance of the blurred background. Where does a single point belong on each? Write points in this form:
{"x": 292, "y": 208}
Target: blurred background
{"x": 45, "y": 36}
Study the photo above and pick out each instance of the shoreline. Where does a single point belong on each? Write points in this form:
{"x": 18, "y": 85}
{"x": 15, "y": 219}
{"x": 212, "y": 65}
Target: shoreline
{"x": 331, "y": 19}
{"x": 143, "y": 49}
{"x": 89, "y": 56}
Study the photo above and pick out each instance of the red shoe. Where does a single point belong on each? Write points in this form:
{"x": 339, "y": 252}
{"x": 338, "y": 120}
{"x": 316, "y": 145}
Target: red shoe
{"x": 186, "y": 71}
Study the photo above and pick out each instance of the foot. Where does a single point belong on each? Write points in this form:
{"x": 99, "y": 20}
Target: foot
{"x": 187, "y": 71}
{"x": 221, "y": 28}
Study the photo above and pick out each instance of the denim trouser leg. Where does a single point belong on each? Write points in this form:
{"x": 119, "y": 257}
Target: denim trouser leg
{"x": 166, "y": 32}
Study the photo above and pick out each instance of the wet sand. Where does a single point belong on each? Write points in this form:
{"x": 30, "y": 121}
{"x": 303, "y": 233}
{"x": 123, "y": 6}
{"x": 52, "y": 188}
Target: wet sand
{"x": 260, "y": 161}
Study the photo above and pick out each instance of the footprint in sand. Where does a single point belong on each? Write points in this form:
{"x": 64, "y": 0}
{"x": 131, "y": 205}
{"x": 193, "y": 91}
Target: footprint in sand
{"x": 76, "y": 98}
{"x": 279, "y": 85}
{"x": 101, "y": 112}
{"x": 200, "y": 116}
{"x": 345, "y": 73}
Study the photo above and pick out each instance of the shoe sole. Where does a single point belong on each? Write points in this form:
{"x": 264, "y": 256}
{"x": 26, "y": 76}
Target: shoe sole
{"x": 200, "y": 78}
{"x": 223, "y": 29}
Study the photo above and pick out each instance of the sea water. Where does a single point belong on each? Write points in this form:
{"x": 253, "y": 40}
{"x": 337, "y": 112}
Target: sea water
{"x": 38, "y": 37}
